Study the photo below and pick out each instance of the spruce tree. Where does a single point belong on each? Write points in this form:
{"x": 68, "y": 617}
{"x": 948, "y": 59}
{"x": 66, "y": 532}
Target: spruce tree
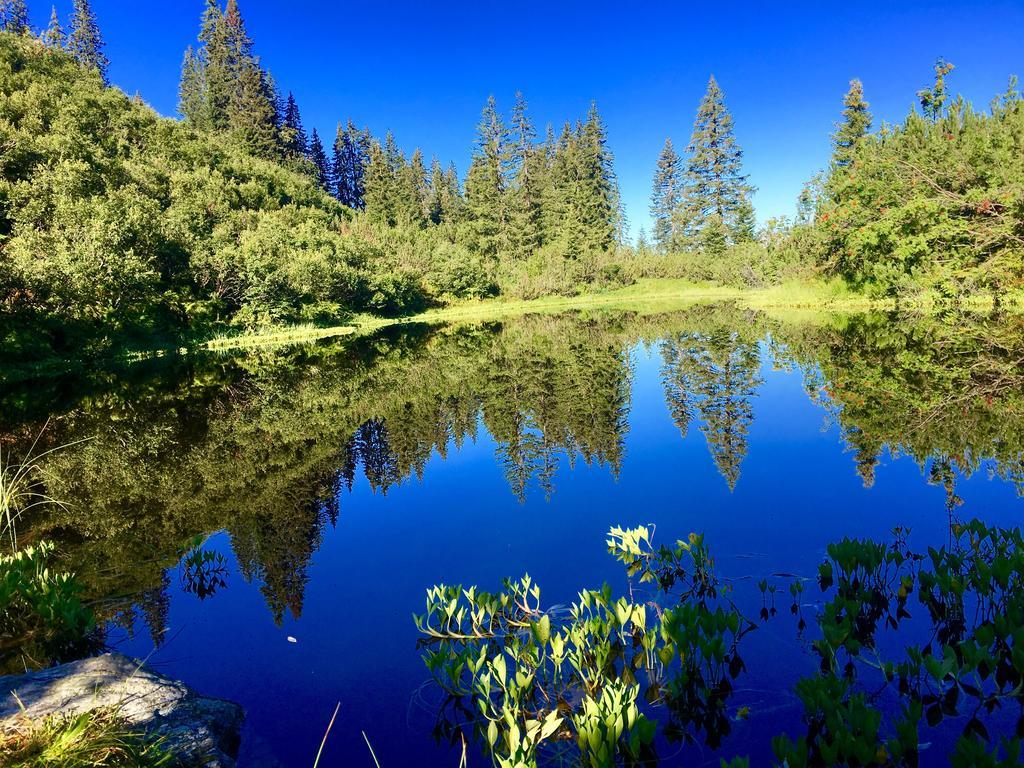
{"x": 192, "y": 96}
{"x": 220, "y": 75}
{"x": 527, "y": 168}
{"x": 251, "y": 115}
{"x": 379, "y": 183}
{"x": 84, "y": 40}
{"x": 14, "y": 16}
{"x": 435, "y": 196}
{"x": 598, "y": 189}
{"x": 417, "y": 189}
{"x": 351, "y": 157}
{"x": 294, "y": 136}
{"x": 318, "y": 158}
{"x": 53, "y": 35}
{"x": 487, "y": 182}
{"x": 666, "y": 198}
{"x": 452, "y": 202}
{"x": 855, "y": 125}
{"x": 716, "y": 187}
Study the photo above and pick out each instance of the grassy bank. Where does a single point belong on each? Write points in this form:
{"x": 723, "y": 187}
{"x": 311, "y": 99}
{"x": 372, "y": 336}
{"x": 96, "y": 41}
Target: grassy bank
{"x": 646, "y": 296}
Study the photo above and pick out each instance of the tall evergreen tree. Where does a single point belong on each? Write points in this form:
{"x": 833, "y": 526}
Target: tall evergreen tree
{"x": 294, "y": 135}
{"x": 452, "y": 202}
{"x": 251, "y": 115}
{"x": 321, "y": 165}
{"x": 351, "y": 157}
{"x": 192, "y": 96}
{"x": 53, "y": 35}
{"x": 84, "y": 40}
{"x": 597, "y": 189}
{"x": 527, "y": 168}
{"x": 220, "y": 72}
{"x": 716, "y": 187}
{"x": 14, "y": 16}
{"x": 666, "y": 199}
{"x": 855, "y": 125}
{"x": 487, "y": 181}
{"x": 435, "y": 194}
{"x": 379, "y": 184}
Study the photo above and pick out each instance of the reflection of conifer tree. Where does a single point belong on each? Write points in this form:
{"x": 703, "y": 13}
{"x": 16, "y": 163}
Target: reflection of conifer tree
{"x": 723, "y": 375}
{"x": 518, "y": 454}
{"x": 156, "y": 607}
{"x": 374, "y": 450}
{"x": 677, "y": 374}
{"x": 727, "y": 407}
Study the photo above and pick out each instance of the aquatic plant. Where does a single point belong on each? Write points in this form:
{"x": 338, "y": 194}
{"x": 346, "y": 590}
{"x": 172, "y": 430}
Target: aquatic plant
{"x": 546, "y": 677}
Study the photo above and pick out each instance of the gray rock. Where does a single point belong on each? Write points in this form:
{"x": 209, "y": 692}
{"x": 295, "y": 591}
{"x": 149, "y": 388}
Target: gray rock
{"x": 199, "y": 731}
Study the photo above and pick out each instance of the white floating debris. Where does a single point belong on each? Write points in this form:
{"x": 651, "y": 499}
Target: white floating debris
{"x": 292, "y": 639}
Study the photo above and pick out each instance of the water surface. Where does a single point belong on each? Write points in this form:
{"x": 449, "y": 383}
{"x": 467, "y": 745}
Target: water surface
{"x": 339, "y": 481}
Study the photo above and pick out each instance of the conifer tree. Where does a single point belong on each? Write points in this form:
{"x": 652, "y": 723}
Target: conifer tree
{"x": 597, "y": 189}
{"x": 294, "y": 136}
{"x": 524, "y": 204}
{"x": 435, "y": 195}
{"x": 14, "y": 16}
{"x": 451, "y": 196}
{"x": 220, "y": 76}
{"x": 666, "y": 199}
{"x": 379, "y": 185}
{"x": 716, "y": 187}
{"x": 351, "y": 156}
{"x": 321, "y": 166}
{"x": 53, "y": 35}
{"x": 418, "y": 189}
{"x": 933, "y": 100}
{"x": 251, "y": 115}
{"x": 487, "y": 181}
{"x": 84, "y": 40}
{"x": 855, "y": 125}
{"x": 192, "y": 96}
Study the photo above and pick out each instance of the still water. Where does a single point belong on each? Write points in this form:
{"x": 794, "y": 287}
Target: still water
{"x": 339, "y": 481}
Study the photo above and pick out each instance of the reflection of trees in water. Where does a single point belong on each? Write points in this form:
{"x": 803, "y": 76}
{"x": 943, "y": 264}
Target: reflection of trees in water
{"x": 263, "y": 446}
{"x": 713, "y": 377}
{"x": 944, "y": 391}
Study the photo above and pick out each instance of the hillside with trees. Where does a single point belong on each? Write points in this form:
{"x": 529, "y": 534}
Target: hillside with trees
{"x": 120, "y": 228}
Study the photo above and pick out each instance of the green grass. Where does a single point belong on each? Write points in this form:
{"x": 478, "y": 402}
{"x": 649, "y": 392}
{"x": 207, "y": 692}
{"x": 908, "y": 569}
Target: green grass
{"x": 97, "y": 739}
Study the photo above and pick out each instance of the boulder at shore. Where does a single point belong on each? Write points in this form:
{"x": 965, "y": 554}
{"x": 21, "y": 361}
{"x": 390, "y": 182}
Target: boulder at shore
{"x": 199, "y": 731}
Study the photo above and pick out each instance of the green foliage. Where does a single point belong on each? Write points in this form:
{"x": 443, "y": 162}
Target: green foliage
{"x": 936, "y": 202}
{"x": 512, "y": 659}
{"x": 98, "y": 739}
{"x": 39, "y": 606}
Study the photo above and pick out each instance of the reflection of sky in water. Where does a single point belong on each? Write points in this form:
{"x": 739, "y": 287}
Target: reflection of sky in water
{"x": 798, "y": 490}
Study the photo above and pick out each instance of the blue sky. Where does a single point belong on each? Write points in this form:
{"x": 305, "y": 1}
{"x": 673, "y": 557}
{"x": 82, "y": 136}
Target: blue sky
{"x": 424, "y": 69}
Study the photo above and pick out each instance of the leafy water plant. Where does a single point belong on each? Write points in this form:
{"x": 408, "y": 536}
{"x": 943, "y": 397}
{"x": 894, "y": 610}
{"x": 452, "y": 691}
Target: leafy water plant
{"x": 544, "y": 678}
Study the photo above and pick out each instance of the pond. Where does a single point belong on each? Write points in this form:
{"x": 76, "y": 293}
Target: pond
{"x": 264, "y": 526}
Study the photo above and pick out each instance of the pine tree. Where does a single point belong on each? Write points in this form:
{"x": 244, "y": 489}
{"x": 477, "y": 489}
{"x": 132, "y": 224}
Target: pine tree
{"x": 716, "y": 187}
{"x": 666, "y": 199}
{"x": 487, "y": 182}
{"x": 294, "y": 138}
{"x": 321, "y": 166}
{"x": 379, "y": 183}
{"x": 435, "y": 195}
{"x": 351, "y": 157}
{"x": 84, "y": 40}
{"x": 855, "y": 125}
{"x": 411, "y": 192}
{"x": 53, "y": 36}
{"x": 251, "y": 115}
{"x": 220, "y": 75}
{"x": 14, "y": 16}
{"x": 599, "y": 193}
{"x": 933, "y": 100}
{"x": 452, "y": 202}
{"x": 524, "y": 204}
{"x": 192, "y": 96}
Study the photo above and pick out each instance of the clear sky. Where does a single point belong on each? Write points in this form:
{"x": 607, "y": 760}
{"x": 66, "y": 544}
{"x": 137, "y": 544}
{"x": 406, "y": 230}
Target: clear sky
{"x": 424, "y": 69}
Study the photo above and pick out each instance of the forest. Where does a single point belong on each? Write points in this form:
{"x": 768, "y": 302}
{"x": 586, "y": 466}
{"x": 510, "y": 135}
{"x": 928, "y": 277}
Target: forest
{"x": 122, "y": 229}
